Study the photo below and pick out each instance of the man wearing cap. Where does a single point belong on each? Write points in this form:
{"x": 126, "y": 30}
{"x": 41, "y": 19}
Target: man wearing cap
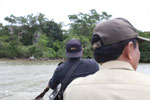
{"x": 74, "y": 52}
{"x": 116, "y": 47}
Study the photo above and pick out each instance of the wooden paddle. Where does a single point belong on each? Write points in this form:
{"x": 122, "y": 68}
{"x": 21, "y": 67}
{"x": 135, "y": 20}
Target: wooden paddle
{"x": 40, "y": 96}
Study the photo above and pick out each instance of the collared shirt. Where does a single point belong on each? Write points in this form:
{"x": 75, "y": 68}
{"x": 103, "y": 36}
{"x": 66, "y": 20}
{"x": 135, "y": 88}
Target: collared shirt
{"x": 116, "y": 80}
{"x": 85, "y": 67}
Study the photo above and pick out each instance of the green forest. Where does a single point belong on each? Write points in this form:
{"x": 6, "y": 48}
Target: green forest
{"x": 37, "y": 36}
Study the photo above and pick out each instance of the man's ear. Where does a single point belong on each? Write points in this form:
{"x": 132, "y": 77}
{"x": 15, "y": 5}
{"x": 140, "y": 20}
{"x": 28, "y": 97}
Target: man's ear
{"x": 128, "y": 50}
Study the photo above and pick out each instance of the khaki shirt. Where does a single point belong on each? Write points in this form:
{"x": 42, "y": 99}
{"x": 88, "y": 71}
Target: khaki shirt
{"x": 116, "y": 80}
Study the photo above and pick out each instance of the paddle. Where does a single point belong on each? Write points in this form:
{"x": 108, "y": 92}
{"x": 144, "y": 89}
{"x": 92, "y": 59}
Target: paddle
{"x": 40, "y": 96}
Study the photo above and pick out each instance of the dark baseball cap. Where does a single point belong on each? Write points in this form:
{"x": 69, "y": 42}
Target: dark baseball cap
{"x": 74, "y": 48}
{"x": 115, "y": 30}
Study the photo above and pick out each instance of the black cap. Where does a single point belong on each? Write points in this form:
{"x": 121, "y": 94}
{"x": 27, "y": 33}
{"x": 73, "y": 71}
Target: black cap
{"x": 74, "y": 48}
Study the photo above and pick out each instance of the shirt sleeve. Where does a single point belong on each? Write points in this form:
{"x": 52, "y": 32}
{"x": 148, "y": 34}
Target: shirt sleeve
{"x": 54, "y": 81}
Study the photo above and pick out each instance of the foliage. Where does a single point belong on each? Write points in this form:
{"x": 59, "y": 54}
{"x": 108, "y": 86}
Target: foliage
{"x": 35, "y": 35}
{"x": 145, "y": 48}
{"x": 83, "y": 24}
{"x": 30, "y": 28}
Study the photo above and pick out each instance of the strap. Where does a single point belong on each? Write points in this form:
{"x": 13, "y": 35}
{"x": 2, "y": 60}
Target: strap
{"x": 68, "y": 75}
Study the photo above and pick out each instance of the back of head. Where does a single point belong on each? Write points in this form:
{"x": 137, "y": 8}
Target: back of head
{"x": 111, "y": 36}
{"x": 74, "y": 48}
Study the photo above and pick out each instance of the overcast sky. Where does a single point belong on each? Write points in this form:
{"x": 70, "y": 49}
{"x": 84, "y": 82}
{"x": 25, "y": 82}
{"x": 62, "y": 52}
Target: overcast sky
{"x": 136, "y": 11}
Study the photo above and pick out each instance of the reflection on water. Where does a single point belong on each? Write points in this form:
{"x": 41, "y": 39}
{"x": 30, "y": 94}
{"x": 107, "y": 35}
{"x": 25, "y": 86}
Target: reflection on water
{"x": 24, "y": 80}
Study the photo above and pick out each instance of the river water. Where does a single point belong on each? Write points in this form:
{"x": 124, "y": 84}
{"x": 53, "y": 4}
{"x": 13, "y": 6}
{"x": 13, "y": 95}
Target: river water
{"x": 24, "y": 80}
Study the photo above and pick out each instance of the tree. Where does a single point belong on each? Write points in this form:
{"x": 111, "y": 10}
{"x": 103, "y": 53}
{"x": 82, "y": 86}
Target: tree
{"x": 28, "y": 27}
{"x": 83, "y": 24}
{"x": 53, "y": 31}
{"x": 35, "y": 35}
{"x": 144, "y": 48}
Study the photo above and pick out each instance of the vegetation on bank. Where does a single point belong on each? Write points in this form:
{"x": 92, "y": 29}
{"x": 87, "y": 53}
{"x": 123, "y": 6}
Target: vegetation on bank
{"x": 145, "y": 48}
{"x": 36, "y": 36}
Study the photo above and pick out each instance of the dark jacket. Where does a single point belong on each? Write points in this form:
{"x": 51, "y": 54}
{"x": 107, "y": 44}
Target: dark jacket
{"x": 85, "y": 67}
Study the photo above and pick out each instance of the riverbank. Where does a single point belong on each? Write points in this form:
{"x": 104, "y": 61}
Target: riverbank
{"x": 30, "y": 62}
{"x": 24, "y": 59}
{"x": 43, "y": 60}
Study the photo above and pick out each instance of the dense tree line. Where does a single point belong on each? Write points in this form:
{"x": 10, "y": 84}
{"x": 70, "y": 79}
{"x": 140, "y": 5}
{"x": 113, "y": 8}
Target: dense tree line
{"x": 145, "y": 48}
{"x": 35, "y": 35}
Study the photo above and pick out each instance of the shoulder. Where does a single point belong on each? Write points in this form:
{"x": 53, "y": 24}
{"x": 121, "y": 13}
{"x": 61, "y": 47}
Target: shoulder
{"x": 81, "y": 81}
{"x": 91, "y": 64}
{"x": 136, "y": 78}
{"x": 60, "y": 67}
{"x": 142, "y": 77}
{"x": 90, "y": 61}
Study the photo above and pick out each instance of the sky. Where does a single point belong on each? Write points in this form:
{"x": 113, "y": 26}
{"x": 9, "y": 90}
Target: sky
{"x": 136, "y": 11}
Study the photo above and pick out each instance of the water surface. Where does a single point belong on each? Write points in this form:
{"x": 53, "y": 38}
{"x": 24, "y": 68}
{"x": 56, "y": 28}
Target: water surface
{"x": 24, "y": 80}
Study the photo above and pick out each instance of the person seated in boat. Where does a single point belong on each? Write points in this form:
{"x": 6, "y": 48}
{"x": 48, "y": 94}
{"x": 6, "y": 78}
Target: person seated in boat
{"x": 74, "y": 52}
{"x": 116, "y": 47}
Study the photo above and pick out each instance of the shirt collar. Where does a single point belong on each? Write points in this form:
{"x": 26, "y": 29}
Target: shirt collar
{"x": 117, "y": 65}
